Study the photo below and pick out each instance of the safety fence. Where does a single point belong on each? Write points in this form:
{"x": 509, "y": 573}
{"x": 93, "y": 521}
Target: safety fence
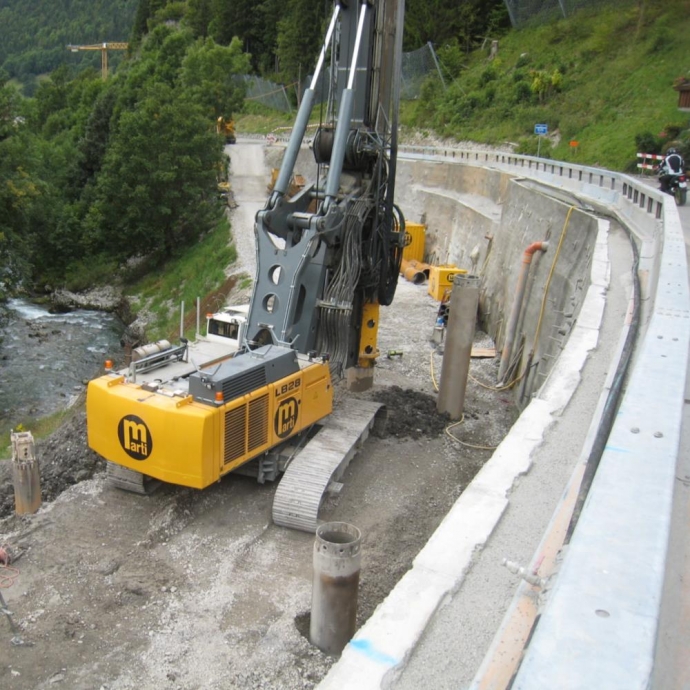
{"x": 416, "y": 67}
{"x": 524, "y": 12}
{"x": 646, "y": 158}
{"x": 268, "y": 93}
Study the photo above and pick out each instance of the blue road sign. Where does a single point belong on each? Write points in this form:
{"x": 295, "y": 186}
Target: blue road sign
{"x": 541, "y": 129}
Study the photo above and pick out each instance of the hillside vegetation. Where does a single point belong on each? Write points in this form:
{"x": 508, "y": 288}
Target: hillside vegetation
{"x": 34, "y": 35}
{"x": 603, "y": 78}
{"x": 109, "y": 180}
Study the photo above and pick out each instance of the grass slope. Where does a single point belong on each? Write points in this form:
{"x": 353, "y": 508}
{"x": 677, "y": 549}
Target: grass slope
{"x": 606, "y": 75}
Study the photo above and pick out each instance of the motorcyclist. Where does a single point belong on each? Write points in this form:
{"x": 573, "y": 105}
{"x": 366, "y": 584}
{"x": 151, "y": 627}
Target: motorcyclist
{"x": 672, "y": 165}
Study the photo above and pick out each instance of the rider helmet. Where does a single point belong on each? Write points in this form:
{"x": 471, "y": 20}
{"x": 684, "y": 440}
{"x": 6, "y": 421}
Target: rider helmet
{"x": 673, "y": 149}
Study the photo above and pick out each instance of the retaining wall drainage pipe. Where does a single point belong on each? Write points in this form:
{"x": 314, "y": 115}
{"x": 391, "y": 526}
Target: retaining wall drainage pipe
{"x": 517, "y": 305}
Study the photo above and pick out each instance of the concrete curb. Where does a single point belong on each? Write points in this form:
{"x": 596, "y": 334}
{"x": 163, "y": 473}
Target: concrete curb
{"x": 380, "y": 649}
{"x": 610, "y": 586}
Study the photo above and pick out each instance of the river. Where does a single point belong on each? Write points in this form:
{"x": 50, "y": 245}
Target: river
{"x": 45, "y": 359}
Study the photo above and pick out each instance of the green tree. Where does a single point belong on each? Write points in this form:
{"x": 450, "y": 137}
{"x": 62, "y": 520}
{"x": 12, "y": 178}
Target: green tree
{"x": 93, "y": 145}
{"x": 156, "y": 192}
{"x": 440, "y": 21}
{"x": 209, "y": 72}
{"x": 140, "y": 25}
{"x": 299, "y": 38}
{"x": 18, "y": 191}
{"x": 226, "y": 21}
{"x": 198, "y": 16}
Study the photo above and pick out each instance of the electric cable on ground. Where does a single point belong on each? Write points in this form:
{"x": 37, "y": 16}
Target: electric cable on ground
{"x": 462, "y": 419}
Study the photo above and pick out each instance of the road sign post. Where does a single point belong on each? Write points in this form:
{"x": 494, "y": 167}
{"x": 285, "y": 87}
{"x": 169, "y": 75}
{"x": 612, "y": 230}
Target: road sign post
{"x": 540, "y": 131}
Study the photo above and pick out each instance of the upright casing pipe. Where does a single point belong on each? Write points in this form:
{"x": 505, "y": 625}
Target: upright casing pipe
{"x": 337, "y": 561}
{"x": 517, "y": 305}
{"x": 457, "y": 354}
{"x": 25, "y": 474}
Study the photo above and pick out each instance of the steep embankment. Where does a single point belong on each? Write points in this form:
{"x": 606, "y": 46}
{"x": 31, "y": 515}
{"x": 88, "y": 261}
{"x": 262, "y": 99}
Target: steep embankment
{"x": 601, "y": 78}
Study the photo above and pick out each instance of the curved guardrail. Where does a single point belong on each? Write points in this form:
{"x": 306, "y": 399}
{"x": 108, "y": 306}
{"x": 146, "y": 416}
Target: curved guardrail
{"x": 599, "y": 626}
{"x": 609, "y": 587}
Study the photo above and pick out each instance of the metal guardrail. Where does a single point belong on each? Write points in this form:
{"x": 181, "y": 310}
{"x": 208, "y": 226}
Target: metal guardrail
{"x": 610, "y": 585}
{"x": 568, "y": 174}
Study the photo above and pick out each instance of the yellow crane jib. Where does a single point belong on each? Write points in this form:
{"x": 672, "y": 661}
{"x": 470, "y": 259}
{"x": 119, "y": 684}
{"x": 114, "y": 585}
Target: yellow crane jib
{"x": 104, "y": 48}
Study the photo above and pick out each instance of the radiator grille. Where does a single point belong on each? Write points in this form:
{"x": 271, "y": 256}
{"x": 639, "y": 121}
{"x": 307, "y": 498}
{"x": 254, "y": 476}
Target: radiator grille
{"x": 237, "y": 386}
{"x": 258, "y": 422}
{"x": 235, "y": 426}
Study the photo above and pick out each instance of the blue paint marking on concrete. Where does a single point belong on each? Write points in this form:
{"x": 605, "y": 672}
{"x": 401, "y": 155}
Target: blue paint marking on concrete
{"x": 616, "y": 449}
{"x": 367, "y": 649}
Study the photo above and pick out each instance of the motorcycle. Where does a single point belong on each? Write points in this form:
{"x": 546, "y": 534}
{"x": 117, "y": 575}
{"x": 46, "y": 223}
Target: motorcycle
{"x": 677, "y": 186}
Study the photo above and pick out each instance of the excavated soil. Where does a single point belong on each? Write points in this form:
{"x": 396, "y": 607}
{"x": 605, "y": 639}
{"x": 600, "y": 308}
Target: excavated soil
{"x": 189, "y": 589}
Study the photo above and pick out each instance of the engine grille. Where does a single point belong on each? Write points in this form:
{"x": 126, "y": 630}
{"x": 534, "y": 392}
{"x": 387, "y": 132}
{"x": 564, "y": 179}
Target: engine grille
{"x": 235, "y": 425}
{"x": 243, "y": 383}
{"x": 239, "y": 439}
{"x": 258, "y": 422}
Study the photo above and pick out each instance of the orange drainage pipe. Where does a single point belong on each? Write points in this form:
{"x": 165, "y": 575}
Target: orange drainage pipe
{"x": 517, "y": 305}
{"x": 414, "y": 271}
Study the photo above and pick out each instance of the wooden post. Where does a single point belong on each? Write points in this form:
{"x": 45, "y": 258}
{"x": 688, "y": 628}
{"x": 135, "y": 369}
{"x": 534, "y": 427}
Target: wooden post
{"x": 25, "y": 474}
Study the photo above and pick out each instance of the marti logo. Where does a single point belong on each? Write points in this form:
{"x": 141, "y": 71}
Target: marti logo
{"x": 285, "y": 419}
{"x": 135, "y": 437}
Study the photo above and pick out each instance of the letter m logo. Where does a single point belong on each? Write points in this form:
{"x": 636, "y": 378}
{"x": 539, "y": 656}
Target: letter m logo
{"x": 135, "y": 437}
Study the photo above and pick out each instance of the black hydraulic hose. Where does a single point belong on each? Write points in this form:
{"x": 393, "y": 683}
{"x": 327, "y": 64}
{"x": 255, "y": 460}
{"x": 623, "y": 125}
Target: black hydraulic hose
{"x": 613, "y": 399}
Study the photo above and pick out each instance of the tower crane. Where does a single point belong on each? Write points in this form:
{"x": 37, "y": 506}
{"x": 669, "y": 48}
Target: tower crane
{"x": 104, "y": 48}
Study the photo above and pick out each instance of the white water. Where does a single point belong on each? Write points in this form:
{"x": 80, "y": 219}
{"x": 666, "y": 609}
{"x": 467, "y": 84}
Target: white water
{"x": 46, "y": 358}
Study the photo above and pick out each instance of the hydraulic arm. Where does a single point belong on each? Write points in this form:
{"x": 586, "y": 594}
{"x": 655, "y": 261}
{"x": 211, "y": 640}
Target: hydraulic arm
{"x": 327, "y": 258}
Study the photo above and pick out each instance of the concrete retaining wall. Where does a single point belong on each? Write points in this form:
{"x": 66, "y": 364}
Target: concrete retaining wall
{"x": 482, "y": 220}
{"x": 600, "y": 622}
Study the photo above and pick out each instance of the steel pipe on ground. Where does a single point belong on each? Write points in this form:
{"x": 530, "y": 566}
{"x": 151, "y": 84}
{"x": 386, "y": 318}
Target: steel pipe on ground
{"x": 414, "y": 271}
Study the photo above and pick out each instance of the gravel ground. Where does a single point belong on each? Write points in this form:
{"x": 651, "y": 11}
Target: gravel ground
{"x": 187, "y": 589}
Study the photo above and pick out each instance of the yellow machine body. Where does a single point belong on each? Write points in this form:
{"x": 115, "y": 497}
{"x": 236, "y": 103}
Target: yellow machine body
{"x": 441, "y": 279}
{"x": 177, "y": 440}
{"x": 226, "y": 128}
{"x": 415, "y": 241}
{"x": 368, "y": 352}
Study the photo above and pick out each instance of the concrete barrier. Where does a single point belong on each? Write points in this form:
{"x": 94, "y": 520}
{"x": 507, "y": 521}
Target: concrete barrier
{"x": 598, "y": 628}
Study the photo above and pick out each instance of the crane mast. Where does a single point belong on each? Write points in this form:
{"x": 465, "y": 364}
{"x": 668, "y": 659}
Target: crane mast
{"x": 327, "y": 258}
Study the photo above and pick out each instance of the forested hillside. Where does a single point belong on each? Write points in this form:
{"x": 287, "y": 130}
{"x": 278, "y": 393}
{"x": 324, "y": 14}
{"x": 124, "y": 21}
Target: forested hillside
{"x": 96, "y": 175}
{"x": 93, "y": 173}
{"x": 34, "y": 35}
{"x": 601, "y": 80}
{"x": 281, "y": 36}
